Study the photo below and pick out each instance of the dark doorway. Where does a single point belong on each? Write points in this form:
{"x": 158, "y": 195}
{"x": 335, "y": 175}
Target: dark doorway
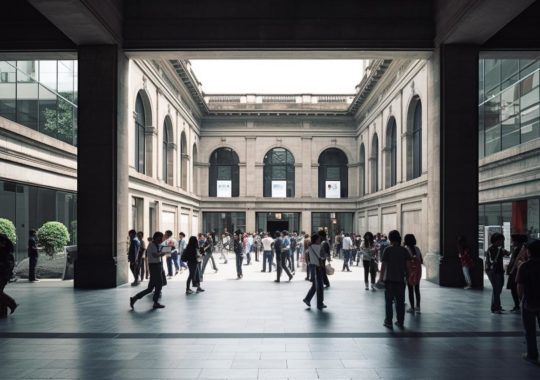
{"x": 277, "y": 225}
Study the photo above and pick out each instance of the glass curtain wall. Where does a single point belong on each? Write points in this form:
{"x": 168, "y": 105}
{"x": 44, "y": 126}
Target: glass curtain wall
{"x": 29, "y": 207}
{"x": 509, "y": 97}
{"x": 41, "y": 95}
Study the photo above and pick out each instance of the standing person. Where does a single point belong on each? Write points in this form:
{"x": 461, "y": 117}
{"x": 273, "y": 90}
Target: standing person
{"x": 292, "y": 250}
{"x": 316, "y": 266}
{"x": 369, "y": 259}
{"x": 190, "y": 256}
{"x": 518, "y": 242}
{"x": 225, "y": 243}
{"x": 338, "y": 240}
{"x": 155, "y": 263}
{"x": 207, "y": 253}
{"x": 282, "y": 247}
{"x": 326, "y": 255}
{"x": 267, "y": 242}
{"x": 346, "y": 245}
{"x": 141, "y": 257}
{"x": 33, "y": 256}
{"x": 358, "y": 244}
{"x": 305, "y": 256}
{"x": 393, "y": 273}
{"x": 528, "y": 287}
{"x": 256, "y": 245}
{"x": 133, "y": 253}
{"x": 7, "y": 263}
{"x": 239, "y": 253}
{"x": 300, "y": 247}
{"x": 414, "y": 272}
{"x": 182, "y": 243}
{"x": 467, "y": 262}
{"x": 173, "y": 257}
{"x": 246, "y": 244}
{"x": 495, "y": 270}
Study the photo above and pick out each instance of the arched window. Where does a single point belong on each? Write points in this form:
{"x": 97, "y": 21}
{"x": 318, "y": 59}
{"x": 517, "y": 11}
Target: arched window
{"x": 333, "y": 174}
{"x": 362, "y": 174}
{"x": 194, "y": 171}
{"x": 168, "y": 152}
{"x": 224, "y": 175}
{"x": 391, "y": 153}
{"x": 414, "y": 139}
{"x": 183, "y": 162}
{"x": 374, "y": 167}
{"x": 139, "y": 135}
{"x": 278, "y": 174}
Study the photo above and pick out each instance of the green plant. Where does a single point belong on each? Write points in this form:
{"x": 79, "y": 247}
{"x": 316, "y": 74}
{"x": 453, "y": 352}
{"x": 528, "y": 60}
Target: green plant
{"x": 8, "y": 228}
{"x": 53, "y": 236}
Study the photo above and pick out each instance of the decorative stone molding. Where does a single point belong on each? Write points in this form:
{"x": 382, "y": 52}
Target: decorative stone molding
{"x": 150, "y": 130}
{"x": 185, "y": 156}
{"x": 171, "y": 145}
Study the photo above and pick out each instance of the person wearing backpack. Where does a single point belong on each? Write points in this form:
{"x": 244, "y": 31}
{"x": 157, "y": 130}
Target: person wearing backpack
{"x": 7, "y": 263}
{"x": 495, "y": 270}
{"x": 414, "y": 272}
{"x": 528, "y": 287}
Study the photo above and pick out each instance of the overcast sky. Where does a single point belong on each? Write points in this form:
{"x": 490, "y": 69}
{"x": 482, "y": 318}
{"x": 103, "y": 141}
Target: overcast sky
{"x": 278, "y": 76}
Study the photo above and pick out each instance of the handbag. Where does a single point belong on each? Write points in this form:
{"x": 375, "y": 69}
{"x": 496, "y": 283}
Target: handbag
{"x": 329, "y": 269}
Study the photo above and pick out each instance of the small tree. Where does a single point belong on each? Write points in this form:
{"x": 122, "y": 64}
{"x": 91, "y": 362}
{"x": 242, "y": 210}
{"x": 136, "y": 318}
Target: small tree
{"x": 53, "y": 236}
{"x": 8, "y": 228}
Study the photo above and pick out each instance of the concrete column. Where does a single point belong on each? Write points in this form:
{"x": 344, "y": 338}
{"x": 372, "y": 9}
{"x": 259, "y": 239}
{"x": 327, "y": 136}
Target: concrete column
{"x": 459, "y": 156}
{"x": 305, "y": 222}
{"x": 102, "y": 181}
{"x": 251, "y": 150}
{"x": 250, "y": 220}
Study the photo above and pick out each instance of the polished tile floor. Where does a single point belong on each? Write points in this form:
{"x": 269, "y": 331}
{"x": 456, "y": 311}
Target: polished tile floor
{"x": 256, "y": 329}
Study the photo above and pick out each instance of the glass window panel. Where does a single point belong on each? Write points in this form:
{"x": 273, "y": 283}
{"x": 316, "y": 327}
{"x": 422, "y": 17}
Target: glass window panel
{"x": 65, "y": 79}
{"x": 510, "y": 132}
{"x": 27, "y": 104}
{"x": 493, "y": 214}
{"x": 26, "y": 71}
{"x": 509, "y": 69}
{"x": 530, "y": 123}
{"x": 481, "y": 131}
{"x": 279, "y": 172}
{"x": 481, "y": 81}
{"x": 527, "y": 66}
{"x": 64, "y": 127}
{"x": 8, "y": 90}
{"x": 47, "y": 110}
{"x": 224, "y": 173}
{"x": 47, "y": 74}
{"x": 533, "y": 217}
{"x": 509, "y": 102}
{"x": 530, "y": 90}
{"x": 492, "y": 79}
{"x": 332, "y": 173}
{"x": 492, "y": 110}
{"x": 493, "y": 140}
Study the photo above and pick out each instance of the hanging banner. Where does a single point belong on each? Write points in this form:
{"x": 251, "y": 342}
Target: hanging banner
{"x": 333, "y": 189}
{"x": 224, "y": 189}
{"x": 279, "y": 189}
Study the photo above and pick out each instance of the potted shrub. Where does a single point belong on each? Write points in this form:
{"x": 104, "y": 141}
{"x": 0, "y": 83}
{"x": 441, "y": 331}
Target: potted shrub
{"x": 53, "y": 236}
{"x": 8, "y": 228}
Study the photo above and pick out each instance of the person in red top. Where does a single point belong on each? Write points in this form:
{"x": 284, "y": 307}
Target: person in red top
{"x": 467, "y": 263}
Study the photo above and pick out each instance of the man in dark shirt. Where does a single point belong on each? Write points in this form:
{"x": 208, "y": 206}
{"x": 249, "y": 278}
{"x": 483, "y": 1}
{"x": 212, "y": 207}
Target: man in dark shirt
{"x": 393, "y": 273}
{"x": 133, "y": 253}
{"x": 528, "y": 287}
{"x": 32, "y": 256}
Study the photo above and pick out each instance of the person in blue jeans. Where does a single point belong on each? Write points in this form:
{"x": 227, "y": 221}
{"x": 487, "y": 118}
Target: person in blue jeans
{"x": 528, "y": 287}
{"x": 267, "y": 243}
{"x": 393, "y": 273}
{"x": 316, "y": 268}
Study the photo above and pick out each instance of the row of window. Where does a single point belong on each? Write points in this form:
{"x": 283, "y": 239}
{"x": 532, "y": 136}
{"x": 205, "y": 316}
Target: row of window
{"x": 278, "y": 173}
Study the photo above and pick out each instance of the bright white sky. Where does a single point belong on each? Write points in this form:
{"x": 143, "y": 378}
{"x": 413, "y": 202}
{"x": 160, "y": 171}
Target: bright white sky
{"x": 321, "y": 76}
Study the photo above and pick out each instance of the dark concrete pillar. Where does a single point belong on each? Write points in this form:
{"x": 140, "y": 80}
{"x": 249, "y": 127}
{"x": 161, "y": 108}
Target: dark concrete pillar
{"x": 458, "y": 155}
{"x": 102, "y": 170}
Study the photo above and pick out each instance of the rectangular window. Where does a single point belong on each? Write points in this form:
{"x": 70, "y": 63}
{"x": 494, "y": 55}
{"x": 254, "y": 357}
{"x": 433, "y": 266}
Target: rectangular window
{"x": 510, "y": 133}
{"x": 530, "y": 123}
{"x": 224, "y": 173}
{"x": 332, "y": 174}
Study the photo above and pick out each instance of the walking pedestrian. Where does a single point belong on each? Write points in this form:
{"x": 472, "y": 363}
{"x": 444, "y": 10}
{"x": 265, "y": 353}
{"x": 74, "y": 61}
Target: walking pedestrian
{"x": 207, "y": 255}
{"x": 467, "y": 262}
{"x": 414, "y": 272}
{"x": 133, "y": 253}
{"x": 282, "y": 248}
{"x": 518, "y": 244}
{"x": 32, "y": 256}
{"x": 171, "y": 258}
{"x": 190, "y": 255}
{"x": 182, "y": 243}
{"x": 239, "y": 253}
{"x": 393, "y": 273}
{"x": 141, "y": 257}
{"x": 346, "y": 245}
{"x": 155, "y": 263}
{"x": 267, "y": 242}
{"x": 316, "y": 267}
